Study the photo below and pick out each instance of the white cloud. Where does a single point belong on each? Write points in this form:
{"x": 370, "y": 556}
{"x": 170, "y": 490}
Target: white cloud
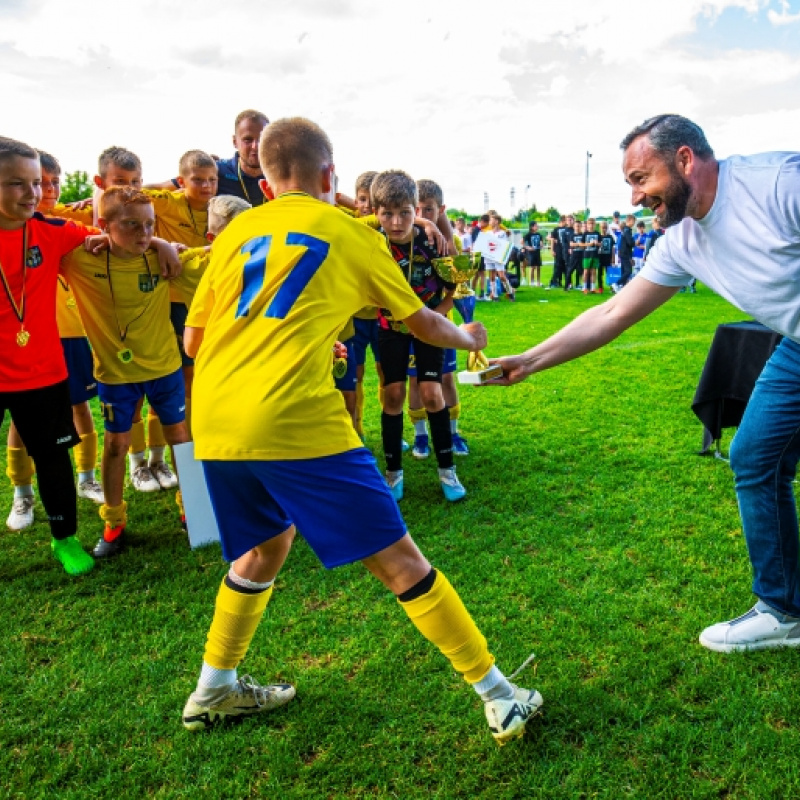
{"x": 479, "y": 98}
{"x": 785, "y": 17}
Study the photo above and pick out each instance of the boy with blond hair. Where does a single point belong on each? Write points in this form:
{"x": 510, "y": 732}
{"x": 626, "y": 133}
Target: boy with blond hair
{"x": 277, "y": 308}
{"x": 125, "y": 310}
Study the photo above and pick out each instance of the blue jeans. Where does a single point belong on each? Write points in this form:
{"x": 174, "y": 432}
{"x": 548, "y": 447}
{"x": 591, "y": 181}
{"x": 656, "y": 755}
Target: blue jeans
{"x": 764, "y": 457}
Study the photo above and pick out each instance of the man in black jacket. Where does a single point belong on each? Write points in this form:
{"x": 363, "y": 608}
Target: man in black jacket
{"x": 625, "y": 252}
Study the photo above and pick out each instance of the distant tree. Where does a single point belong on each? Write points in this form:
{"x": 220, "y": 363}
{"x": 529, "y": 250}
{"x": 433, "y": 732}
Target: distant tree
{"x": 75, "y": 186}
{"x": 551, "y": 215}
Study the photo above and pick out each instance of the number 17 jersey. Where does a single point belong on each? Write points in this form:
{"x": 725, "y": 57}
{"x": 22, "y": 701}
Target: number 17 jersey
{"x": 283, "y": 280}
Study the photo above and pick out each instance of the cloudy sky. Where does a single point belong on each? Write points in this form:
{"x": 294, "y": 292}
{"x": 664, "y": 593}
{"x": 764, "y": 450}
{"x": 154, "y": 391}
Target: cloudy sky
{"x": 481, "y": 97}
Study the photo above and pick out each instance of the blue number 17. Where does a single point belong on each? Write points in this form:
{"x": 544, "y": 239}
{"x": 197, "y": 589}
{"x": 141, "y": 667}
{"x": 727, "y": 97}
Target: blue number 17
{"x": 255, "y": 273}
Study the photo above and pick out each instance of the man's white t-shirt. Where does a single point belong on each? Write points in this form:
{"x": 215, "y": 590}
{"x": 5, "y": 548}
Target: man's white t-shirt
{"x": 747, "y": 248}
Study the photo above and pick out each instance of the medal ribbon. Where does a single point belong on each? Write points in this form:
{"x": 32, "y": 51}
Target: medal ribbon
{"x": 19, "y": 310}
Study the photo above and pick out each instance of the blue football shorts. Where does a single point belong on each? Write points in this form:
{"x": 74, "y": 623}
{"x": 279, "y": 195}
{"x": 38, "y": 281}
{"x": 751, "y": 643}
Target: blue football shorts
{"x": 165, "y": 395}
{"x": 339, "y": 503}
{"x": 78, "y": 357}
{"x": 366, "y": 336}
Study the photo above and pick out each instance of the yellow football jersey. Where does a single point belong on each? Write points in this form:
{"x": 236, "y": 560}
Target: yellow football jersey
{"x": 85, "y": 215}
{"x": 68, "y": 318}
{"x": 369, "y": 312}
{"x": 176, "y": 220}
{"x": 283, "y": 280}
{"x": 124, "y": 305}
{"x": 193, "y": 265}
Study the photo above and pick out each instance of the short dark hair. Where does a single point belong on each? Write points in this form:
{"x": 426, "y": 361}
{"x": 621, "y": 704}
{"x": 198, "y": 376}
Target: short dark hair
{"x": 430, "y": 190}
{"x": 49, "y": 163}
{"x": 11, "y": 148}
{"x": 667, "y": 133}
{"x": 250, "y": 114}
{"x": 120, "y": 158}
{"x": 393, "y": 188}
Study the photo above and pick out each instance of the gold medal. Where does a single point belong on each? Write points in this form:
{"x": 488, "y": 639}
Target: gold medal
{"x": 23, "y": 337}
{"x": 125, "y": 356}
{"x": 19, "y": 308}
{"x": 339, "y": 367}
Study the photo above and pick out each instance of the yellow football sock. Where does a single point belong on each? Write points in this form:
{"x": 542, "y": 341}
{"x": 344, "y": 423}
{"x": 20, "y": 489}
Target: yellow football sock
{"x": 455, "y": 411}
{"x": 179, "y": 501}
{"x": 137, "y": 437}
{"x": 114, "y": 516}
{"x": 19, "y": 466}
{"x": 360, "y": 408}
{"x": 442, "y": 619}
{"x": 86, "y": 453}
{"x": 155, "y": 431}
{"x": 236, "y": 617}
{"x": 417, "y": 414}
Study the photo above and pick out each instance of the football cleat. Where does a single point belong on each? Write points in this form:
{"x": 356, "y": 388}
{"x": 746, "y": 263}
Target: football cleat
{"x": 244, "y": 698}
{"x": 421, "y": 448}
{"x": 91, "y": 490}
{"x": 165, "y": 477}
{"x": 111, "y": 543}
{"x": 507, "y": 716}
{"x": 143, "y": 480}
{"x": 451, "y": 485}
{"x": 72, "y": 556}
{"x": 394, "y": 480}
{"x": 459, "y": 446}
{"x": 21, "y": 515}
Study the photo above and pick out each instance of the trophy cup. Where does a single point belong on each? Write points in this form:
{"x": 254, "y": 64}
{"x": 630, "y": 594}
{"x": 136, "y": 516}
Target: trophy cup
{"x": 460, "y": 270}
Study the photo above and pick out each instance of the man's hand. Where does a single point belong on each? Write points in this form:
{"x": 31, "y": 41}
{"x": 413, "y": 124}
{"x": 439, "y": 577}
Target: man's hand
{"x": 478, "y": 333}
{"x": 515, "y": 369}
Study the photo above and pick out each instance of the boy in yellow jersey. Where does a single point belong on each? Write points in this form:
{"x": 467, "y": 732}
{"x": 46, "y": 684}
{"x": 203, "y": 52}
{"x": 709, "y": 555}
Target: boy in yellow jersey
{"x": 182, "y": 218}
{"x": 125, "y": 309}
{"x": 283, "y": 280}
{"x": 365, "y": 320}
{"x": 118, "y": 166}
{"x": 432, "y": 207}
{"x": 82, "y": 385}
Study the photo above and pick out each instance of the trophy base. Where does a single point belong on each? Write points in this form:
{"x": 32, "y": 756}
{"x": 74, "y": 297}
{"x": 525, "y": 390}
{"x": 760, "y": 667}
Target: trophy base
{"x": 481, "y": 376}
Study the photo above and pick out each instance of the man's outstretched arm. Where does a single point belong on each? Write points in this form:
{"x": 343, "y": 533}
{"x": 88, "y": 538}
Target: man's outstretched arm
{"x": 590, "y": 331}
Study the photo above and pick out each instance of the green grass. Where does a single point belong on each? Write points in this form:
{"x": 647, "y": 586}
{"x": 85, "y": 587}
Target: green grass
{"x": 592, "y": 534}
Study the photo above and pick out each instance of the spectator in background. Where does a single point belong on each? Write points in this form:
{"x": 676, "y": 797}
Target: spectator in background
{"x": 559, "y": 264}
{"x": 625, "y": 253}
{"x": 639, "y": 241}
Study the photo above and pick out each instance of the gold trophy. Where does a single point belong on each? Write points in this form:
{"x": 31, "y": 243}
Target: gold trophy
{"x": 460, "y": 270}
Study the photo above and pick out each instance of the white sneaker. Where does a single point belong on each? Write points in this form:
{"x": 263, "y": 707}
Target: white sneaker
{"x": 758, "y": 629}
{"x": 143, "y": 480}
{"x": 166, "y": 478}
{"x": 91, "y": 490}
{"x": 507, "y": 717}
{"x": 21, "y": 515}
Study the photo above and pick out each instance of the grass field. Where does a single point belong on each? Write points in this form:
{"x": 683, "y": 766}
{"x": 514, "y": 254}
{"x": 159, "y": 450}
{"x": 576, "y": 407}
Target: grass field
{"x": 592, "y": 534}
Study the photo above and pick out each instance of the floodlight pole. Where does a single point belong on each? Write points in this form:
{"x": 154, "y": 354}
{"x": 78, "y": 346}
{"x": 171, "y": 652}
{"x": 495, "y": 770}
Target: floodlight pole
{"x": 586, "y": 188}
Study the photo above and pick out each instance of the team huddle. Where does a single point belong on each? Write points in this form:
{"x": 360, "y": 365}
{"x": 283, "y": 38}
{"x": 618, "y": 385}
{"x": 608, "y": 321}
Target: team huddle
{"x": 261, "y": 271}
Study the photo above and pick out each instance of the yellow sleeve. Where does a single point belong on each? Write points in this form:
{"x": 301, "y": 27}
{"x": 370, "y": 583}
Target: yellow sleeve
{"x": 346, "y": 210}
{"x": 458, "y": 244}
{"x": 387, "y": 286}
{"x": 162, "y": 199}
{"x": 371, "y": 220}
{"x": 202, "y": 304}
{"x": 193, "y": 266}
{"x": 85, "y": 215}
